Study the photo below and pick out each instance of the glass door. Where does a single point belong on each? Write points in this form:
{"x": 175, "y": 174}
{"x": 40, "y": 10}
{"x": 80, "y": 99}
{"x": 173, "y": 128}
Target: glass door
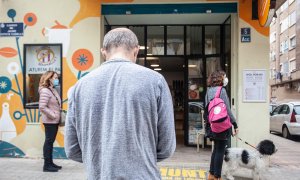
{"x": 195, "y": 98}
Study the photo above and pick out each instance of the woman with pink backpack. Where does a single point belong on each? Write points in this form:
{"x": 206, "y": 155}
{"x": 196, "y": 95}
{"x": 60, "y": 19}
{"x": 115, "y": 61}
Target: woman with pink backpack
{"x": 219, "y": 121}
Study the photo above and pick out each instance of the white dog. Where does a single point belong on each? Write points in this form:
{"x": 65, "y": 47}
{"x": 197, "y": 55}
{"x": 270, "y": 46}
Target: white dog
{"x": 252, "y": 159}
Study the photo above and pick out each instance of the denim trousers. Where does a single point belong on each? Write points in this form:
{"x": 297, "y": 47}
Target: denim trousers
{"x": 217, "y": 156}
{"x": 50, "y": 133}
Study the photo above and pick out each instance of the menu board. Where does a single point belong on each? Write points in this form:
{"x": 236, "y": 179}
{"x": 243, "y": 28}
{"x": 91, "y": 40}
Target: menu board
{"x": 254, "y": 85}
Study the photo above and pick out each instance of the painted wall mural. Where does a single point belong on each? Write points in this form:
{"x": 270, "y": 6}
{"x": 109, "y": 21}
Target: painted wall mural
{"x": 21, "y": 130}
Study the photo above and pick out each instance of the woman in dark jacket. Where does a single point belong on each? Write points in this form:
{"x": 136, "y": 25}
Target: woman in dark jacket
{"x": 217, "y": 79}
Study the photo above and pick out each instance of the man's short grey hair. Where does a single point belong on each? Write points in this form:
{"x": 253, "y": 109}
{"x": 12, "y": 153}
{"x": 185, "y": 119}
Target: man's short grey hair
{"x": 120, "y": 37}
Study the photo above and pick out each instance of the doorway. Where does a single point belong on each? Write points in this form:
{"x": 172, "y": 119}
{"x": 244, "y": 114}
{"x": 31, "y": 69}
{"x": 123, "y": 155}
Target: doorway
{"x": 185, "y": 55}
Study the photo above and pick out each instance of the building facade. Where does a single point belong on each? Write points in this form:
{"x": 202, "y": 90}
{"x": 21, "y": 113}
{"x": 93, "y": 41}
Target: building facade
{"x": 69, "y": 34}
{"x": 284, "y": 47}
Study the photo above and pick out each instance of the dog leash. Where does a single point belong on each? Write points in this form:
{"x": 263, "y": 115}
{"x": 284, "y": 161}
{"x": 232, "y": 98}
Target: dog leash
{"x": 246, "y": 142}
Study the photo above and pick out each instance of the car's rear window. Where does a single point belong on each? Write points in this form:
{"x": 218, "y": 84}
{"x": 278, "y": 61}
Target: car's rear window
{"x": 297, "y": 110}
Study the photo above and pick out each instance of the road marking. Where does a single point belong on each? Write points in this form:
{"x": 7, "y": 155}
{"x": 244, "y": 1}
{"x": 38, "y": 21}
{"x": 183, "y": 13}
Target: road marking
{"x": 182, "y": 173}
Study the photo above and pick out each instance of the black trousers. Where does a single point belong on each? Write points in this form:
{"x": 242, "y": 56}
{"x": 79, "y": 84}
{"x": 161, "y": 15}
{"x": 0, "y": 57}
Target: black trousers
{"x": 217, "y": 156}
{"x": 50, "y": 132}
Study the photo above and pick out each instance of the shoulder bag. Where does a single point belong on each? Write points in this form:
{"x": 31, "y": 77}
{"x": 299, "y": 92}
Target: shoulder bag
{"x": 63, "y": 113}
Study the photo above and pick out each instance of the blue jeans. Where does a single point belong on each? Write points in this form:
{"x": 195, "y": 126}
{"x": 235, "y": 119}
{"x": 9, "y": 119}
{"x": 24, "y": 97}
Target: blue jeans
{"x": 217, "y": 157}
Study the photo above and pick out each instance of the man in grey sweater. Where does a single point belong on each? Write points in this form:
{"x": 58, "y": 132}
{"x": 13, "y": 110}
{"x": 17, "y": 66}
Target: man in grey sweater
{"x": 120, "y": 119}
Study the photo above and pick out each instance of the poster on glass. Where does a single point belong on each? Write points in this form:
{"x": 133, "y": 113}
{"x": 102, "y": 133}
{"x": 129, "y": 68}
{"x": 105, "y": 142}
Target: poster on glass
{"x": 38, "y": 59}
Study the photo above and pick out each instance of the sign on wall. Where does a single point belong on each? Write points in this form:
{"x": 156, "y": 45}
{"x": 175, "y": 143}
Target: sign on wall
{"x": 245, "y": 35}
{"x": 11, "y": 29}
{"x": 254, "y": 86}
{"x": 38, "y": 59}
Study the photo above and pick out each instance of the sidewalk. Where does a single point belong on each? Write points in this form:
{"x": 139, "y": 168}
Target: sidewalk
{"x": 185, "y": 164}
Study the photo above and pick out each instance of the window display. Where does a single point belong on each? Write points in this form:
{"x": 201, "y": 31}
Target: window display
{"x": 38, "y": 59}
{"x": 195, "y": 120}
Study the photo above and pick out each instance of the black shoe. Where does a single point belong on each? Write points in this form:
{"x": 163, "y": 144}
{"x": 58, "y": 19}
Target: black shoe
{"x": 56, "y": 166}
{"x": 50, "y": 169}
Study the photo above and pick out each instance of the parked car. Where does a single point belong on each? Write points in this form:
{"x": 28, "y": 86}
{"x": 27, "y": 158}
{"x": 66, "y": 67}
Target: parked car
{"x": 285, "y": 119}
{"x": 272, "y": 107}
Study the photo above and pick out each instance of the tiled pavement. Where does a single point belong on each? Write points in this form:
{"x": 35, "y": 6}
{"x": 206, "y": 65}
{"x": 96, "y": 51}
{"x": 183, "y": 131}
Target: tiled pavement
{"x": 185, "y": 164}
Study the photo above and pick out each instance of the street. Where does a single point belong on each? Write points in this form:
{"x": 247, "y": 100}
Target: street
{"x": 185, "y": 164}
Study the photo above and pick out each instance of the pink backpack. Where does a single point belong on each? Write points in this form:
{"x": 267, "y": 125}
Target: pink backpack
{"x": 217, "y": 114}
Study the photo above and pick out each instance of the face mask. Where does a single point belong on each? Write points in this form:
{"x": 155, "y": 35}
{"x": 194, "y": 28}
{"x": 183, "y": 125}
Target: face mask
{"x": 55, "y": 82}
{"x": 225, "y": 81}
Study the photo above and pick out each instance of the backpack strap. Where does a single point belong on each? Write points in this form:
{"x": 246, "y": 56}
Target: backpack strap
{"x": 218, "y": 93}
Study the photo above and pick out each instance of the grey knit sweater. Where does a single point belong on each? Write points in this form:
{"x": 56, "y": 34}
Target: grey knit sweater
{"x": 120, "y": 122}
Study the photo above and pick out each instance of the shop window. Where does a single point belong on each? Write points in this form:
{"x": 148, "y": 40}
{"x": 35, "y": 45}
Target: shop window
{"x": 195, "y": 123}
{"x": 212, "y": 39}
{"x": 39, "y": 58}
{"x": 140, "y": 34}
{"x": 212, "y": 64}
{"x": 196, "y": 79}
{"x": 140, "y": 61}
{"x": 293, "y": 65}
{"x": 293, "y": 42}
{"x": 292, "y": 19}
{"x": 194, "y": 40}
{"x": 175, "y": 40}
{"x": 155, "y": 40}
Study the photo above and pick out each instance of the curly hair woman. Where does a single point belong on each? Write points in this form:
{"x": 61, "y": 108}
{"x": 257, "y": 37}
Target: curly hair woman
{"x": 50, "y": 106}
{"x": 216, "y": 80}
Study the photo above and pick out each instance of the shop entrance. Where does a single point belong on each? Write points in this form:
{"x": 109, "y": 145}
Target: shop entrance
{"x": 185, "y": 52}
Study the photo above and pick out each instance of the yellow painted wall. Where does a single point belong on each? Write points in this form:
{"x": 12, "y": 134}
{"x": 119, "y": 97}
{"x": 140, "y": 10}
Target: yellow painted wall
{"x": 253, "y": 118}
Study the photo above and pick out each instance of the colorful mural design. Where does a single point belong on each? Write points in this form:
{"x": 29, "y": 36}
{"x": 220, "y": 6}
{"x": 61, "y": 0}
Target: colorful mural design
{"x": 82, "y": 60}
{"x": 9, "y": 150}
{"x": 8, "y": 52}
{"x": 21, "y": 132}
{"x": 58, "y": 34}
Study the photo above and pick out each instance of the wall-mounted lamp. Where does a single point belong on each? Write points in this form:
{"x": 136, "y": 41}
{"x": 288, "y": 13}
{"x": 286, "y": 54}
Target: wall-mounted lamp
{"x": 154, "y": 65}
{"x": 143, "y": 47}
{"x": 192, "y": 65}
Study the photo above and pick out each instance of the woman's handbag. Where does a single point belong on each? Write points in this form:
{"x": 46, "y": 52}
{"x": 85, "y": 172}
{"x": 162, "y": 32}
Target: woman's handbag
{"x": 62, "y": 120}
